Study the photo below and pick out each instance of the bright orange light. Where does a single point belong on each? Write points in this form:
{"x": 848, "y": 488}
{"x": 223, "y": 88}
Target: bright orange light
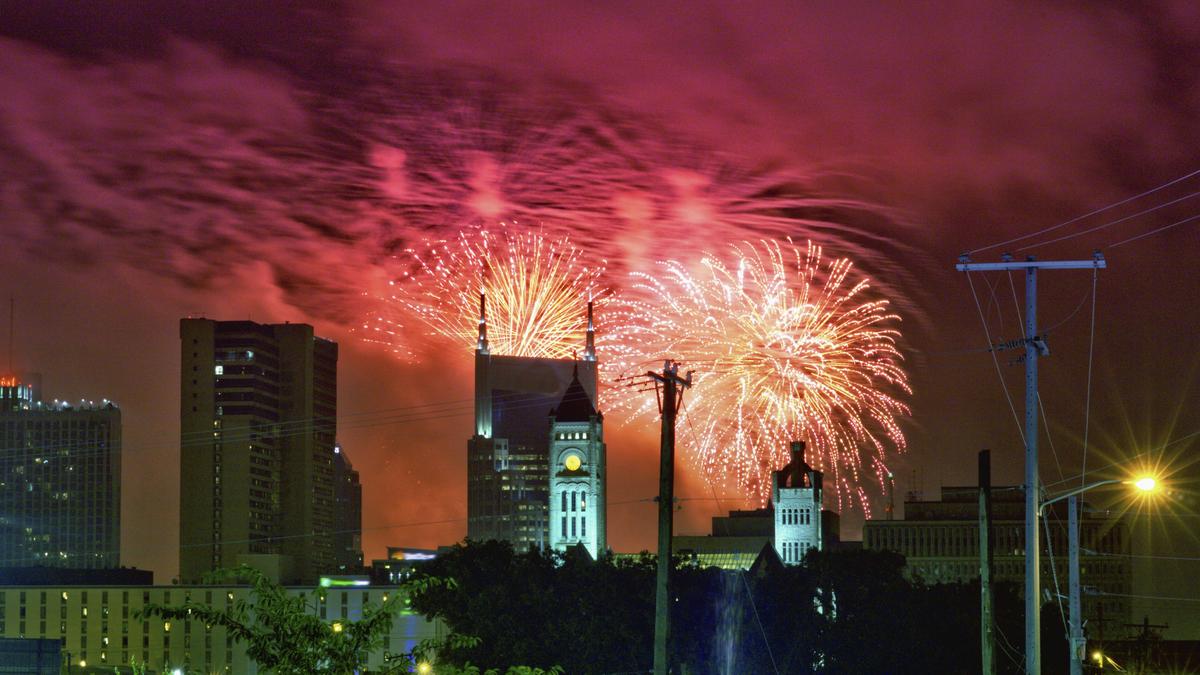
{"x": 8, "y": 381}
{"x": 1146, "y": 484}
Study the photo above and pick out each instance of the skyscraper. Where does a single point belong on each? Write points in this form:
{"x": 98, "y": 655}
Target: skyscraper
{"x": 508, "y": 458}
{"x": 347, "y": 514}
{"x": 60, "y": 480}
{"x": 258, "y": 408}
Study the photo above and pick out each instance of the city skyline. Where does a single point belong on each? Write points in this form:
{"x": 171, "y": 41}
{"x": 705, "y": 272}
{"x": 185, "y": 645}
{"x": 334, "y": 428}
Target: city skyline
{"x": 1055, "y": 112}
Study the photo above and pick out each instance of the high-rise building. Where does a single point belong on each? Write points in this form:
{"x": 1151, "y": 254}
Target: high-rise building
{"x": 60, "y": 480}
{"x": 508, "y": 458}
{"x": 940, "y": 542}
{"x": 258, "y": 408}
{"x": 578, "y": 473}
{"x": 347, "y": 514}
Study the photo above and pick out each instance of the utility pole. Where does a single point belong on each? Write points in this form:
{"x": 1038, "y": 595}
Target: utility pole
{"x": 1145, "y": 637}
{"x": 671, "y": 395}
{"x": 1035, "y": 346}
{"x": 1078, "y": 643}
{"x": 986, "y": 636}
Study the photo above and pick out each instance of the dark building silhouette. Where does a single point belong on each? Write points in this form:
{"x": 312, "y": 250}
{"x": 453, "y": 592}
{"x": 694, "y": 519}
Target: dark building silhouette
{"x": 258, "y": 407}
{"x": 940, "y": 542}
{"x": 508, "y": 457}
{"x": 347, "y": 514}
{"x": 60, "y": 479}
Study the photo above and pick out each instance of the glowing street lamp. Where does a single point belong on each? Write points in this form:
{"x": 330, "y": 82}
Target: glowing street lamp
{"x": 1144, "y": 484}
{"x": 424, "y": 668}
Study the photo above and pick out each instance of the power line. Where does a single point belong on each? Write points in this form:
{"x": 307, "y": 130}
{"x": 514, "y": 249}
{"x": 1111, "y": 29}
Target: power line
{"x": 1165, "y": 598}
{"x": 1111, "y": 222}
{"x": 1087, "y": 405}
{"x": 1088, "y": 214}
{"x": 995, "y": 360}
{"x": 297, "y": 428}
{"x": 329, "y": 533}
{"x": 1149, "y": 556}
{"x": 1154, "y": 231}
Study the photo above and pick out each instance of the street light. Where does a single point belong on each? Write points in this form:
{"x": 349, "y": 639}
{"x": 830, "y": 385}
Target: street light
{"x": 1077, "y": 640}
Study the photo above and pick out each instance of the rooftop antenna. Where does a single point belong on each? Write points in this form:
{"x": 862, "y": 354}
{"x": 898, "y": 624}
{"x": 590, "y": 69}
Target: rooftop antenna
{"x": 12, "y": 313}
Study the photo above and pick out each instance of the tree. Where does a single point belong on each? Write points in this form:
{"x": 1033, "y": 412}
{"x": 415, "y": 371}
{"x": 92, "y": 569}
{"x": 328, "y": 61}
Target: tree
{"x": 542, "y": 609}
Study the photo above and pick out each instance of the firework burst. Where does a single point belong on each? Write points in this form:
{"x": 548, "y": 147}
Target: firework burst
{"x": 784, "y": 346}
{"x": 535, "y": 286}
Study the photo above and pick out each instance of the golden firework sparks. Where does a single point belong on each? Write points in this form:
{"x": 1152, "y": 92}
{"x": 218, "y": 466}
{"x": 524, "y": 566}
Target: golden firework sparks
{"x": 785, "y": 346}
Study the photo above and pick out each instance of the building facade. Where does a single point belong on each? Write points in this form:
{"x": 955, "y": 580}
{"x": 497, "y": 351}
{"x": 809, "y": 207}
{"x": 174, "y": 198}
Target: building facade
{"x": 258, "y": 410}
{"x": 793, "y": 523}
{"x": 60, "y": 480}
{"x": 578, "y": 472}
{"x": 508, "y": 457}
{"x": 347, "y": 514}
{"x": 101, "y": 631}
{"x": 940, "y": 541}
{"x": 796, "y": 496}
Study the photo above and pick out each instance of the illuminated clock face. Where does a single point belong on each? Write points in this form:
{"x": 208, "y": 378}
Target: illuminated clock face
{"x": 572, "y": 463}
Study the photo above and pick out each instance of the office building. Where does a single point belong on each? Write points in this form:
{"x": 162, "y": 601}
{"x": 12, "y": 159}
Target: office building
{"x": 258, "y": 407}
{"x": 347, "y": 514}
{"x": 508, "y": 457}
{"x": 60, "y": 480}
{"x": 940, "y": 541}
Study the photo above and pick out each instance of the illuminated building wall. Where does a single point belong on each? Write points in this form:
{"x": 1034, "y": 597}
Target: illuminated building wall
{"x": 60, "y": 480}
{"x": 578, "y": 473}
{"x": 258, "y": 414}
{"x": 940, "y": 541}
{"x": 101, "y": 631}
{"x": 796, "y": 495}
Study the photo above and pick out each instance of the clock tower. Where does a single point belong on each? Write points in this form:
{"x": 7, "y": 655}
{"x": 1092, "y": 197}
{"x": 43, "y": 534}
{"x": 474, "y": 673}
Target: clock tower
{"x": 578, "y": 471}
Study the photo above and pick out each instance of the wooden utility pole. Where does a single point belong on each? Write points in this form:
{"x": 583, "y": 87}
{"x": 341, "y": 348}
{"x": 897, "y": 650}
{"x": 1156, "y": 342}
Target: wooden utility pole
{"x": 986, "y": 636}
{"x": 670, "y": 396}
{"x": 1035, "y": 346}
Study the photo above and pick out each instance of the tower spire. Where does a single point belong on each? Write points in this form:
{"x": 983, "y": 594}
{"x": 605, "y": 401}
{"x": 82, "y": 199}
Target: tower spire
{"x": 589, "y": 353}
{"x": 482, "y": 346}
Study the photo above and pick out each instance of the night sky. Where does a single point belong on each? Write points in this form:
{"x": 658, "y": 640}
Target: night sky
{"x": 239, "y": 160}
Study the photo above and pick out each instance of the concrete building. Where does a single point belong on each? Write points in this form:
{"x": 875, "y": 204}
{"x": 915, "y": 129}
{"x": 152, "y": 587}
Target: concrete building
{"x": 940, "y": 541}
{"x": 796, "y": 496}
{"x": 508, "y": 457}
{"x": 792, "y": 524}
{"x": 60, "y": 480}
{"x": 347, "y": 514}
{"x": 100, "y": 630}
{"x": 258, "y": 418}
{"x": 578, "y": 473}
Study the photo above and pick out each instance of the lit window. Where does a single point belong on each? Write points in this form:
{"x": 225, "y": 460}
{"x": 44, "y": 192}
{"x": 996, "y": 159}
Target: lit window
{"x": 219, "y": 370}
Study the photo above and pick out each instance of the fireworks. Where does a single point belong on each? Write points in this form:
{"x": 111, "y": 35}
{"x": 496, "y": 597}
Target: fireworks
{"x": 536, "y": 289}
{"x": 784, "y": 346}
